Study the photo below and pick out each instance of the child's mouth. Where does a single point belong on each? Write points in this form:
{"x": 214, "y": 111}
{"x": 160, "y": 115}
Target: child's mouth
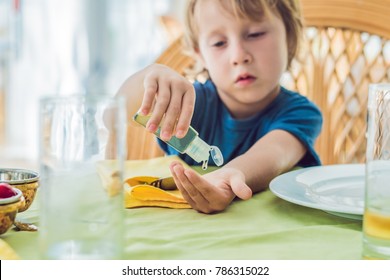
{"x": 245, "y": 80}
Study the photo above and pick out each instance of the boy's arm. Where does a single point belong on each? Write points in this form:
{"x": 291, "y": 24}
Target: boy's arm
{"x": 273, "y": 154}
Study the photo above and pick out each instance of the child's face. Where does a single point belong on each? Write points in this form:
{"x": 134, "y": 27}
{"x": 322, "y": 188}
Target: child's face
{"x": 245, "y": 59}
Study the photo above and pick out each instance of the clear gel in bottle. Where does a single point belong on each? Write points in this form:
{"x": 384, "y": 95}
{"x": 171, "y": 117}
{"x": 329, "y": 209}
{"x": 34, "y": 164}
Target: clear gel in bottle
{"x": 191, "y": 144}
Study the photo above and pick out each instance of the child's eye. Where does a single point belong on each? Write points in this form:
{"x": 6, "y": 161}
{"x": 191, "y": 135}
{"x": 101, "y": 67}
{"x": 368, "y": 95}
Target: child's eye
{"x": 219, "y": 44}
{"x": 255, "y": 34}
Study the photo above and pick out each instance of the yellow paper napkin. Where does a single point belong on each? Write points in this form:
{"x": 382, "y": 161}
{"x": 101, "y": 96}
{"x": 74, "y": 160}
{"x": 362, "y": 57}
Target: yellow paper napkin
{"x": 144, "y": 195}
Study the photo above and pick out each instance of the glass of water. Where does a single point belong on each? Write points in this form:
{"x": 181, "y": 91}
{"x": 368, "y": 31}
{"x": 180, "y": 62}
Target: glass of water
{"x": 81, "y": 208}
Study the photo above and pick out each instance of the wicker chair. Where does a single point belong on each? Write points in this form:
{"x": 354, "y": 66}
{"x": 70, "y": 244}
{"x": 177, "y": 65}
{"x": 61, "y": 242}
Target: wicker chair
{"x": 347, "y": 46}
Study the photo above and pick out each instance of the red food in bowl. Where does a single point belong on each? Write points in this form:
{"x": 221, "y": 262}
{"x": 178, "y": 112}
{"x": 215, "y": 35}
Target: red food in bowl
{"x": 6, "y": 191}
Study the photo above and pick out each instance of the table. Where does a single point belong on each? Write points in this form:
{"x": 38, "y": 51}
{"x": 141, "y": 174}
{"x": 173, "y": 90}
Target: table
{"x": 264, "y": 227}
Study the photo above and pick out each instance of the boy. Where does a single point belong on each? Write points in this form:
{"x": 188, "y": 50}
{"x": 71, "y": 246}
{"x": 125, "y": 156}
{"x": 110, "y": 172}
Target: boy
{"x": 261, "y": 128}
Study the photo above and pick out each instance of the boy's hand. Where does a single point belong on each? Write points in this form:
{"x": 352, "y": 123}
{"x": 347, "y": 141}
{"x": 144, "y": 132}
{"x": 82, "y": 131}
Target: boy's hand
{"x": 212, "y": 192}
{"x": 168, "y": 96}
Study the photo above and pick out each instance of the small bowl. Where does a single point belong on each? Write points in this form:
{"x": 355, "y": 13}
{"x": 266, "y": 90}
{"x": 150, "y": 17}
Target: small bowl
{"x": 9, "y": 208}
{"x": 25, "y": 180}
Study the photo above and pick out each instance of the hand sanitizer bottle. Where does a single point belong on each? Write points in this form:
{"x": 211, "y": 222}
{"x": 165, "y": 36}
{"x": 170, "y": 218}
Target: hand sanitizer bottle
{"x": 191, "y": 144}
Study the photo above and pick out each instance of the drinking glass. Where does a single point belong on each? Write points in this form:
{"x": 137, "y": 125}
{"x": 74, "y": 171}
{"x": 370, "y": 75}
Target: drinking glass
{"x": 81, "y": 208}
{"x": 376, "y": 219}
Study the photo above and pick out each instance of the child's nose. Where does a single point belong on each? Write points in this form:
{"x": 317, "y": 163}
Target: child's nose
{"x": 240, "y": 55}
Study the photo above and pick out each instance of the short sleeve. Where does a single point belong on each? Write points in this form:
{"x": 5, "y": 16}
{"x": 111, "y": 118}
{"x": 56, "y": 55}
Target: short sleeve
{"x": 303, "y": 119}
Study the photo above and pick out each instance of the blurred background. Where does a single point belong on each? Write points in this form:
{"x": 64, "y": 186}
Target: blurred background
{"x": 56, "y": 47}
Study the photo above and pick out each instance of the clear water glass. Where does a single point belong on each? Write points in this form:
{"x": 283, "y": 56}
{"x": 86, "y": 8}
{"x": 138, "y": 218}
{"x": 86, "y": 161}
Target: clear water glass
{"x": 81, "y": 209}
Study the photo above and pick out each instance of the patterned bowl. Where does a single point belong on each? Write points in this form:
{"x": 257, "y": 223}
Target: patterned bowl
{"x": 25, "y": 180}
{"x": 9, "y": 208}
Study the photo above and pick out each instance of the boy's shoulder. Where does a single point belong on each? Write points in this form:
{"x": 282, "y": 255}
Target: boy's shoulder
{"x": 292, "y": 102}
{"x": 287, "y": 95}
{"x": 290, "y": 93}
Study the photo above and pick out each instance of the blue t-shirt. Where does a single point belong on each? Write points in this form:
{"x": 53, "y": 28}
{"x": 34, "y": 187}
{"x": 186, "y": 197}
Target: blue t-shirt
{"x": 289, "y": 111}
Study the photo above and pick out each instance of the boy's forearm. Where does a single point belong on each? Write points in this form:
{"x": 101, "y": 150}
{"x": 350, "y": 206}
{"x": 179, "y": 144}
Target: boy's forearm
{"x": 275, "y": 153}
{"x": 257, "y": 175}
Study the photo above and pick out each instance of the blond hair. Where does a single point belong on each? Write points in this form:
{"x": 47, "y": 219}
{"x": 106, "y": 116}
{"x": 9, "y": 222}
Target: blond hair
{"x": 255, "y": 10}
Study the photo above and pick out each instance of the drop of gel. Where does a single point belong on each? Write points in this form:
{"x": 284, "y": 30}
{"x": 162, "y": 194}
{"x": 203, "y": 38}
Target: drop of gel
{"x": 205, "y": 164}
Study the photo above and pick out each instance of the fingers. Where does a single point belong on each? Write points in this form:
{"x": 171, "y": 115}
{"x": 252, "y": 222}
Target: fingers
{"x": 239, "y": 188}
{"x": 188, "y": 104}
{"x": 173, "y": 110}
{"x": 178, "y": 109}
{"x": 206, "y": 197}
{"x": 150, "y": 91}
{"x": 200, "y": 194}
{"x": 170, "y": 97}
{"x": 155, "y": 87}
{"x": 189, "y": 192}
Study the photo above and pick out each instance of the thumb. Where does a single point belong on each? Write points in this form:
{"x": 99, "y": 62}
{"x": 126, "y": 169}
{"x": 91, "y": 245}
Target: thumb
{"x": 240, "y": 188}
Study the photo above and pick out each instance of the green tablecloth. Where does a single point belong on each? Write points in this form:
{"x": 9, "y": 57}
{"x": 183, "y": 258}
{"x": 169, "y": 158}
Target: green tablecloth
{"x": 265, "y": 227}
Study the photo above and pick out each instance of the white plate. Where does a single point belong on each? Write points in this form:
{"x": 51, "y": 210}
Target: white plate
{"x": 338, "y": 189}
